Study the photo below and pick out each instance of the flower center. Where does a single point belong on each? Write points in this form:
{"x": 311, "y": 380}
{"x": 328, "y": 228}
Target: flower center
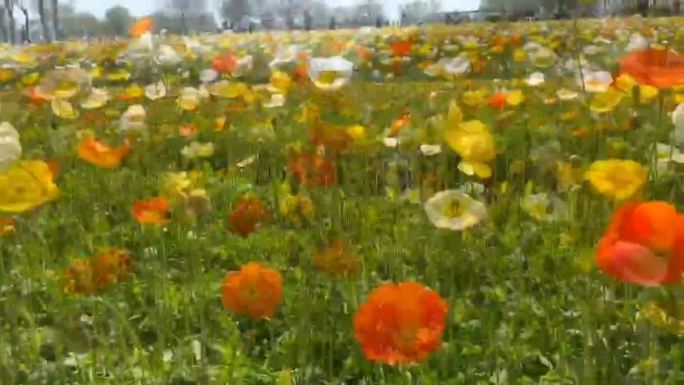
{"x": 454, "y": 209}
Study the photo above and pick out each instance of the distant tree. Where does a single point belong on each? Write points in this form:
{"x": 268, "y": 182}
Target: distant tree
{"x": 118, "y": 19}
{"x": 307, "y": 20}
{"x": 43, "y": 21}
{"x": 83, "y": 24}
{"x": 2, "y": 23}
{"x": 55, "y": 19}
{"x": 25, "y": 31}
{"x": 235, "y": 10}
{"x": 9, "y": 5}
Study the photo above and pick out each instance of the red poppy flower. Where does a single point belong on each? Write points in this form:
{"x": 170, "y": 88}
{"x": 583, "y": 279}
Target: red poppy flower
{"x": 141, "y": 27}
{"x": 154, "y": 211}
{"x": 336, "y": 260}
{"x": 88, "y": 276}
{"x": 248, "y": 214}
{"x": 255, "y": 291}
{"x": 656, "y": 67}
{"x": 644, "y": 244}
{"x": 311, "y": 169}
{"x": 402, "y": 48}
{"x": 498, "y": 100}
{"x": 400, "y": 324}
{"x": 332, "y": 138}
{"x": 226, "y": 63}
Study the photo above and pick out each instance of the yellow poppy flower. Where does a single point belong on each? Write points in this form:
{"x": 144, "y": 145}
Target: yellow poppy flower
{"x": 134, "y": 91}
{"x": 617, "y": 179}
{"x": 25, "y": 186}
{"x": 625, "y": 83}
{"x": 515, "y": 98}
{"x": 474, "y": 98}
{"x": 356, "y": 132}
{"x": 606, "y": 101}
{"x": 475, "y": 144}
{"x": 64, "y": 109}
{"x": 647, "y": 94}
{"x": 281, "y": 81}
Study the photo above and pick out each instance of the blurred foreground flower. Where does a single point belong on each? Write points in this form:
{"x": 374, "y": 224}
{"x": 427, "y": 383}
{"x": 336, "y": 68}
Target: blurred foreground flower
{"x": 617, "y": 179}
{"x": 10, "y": 146}
{"x": 658, "y": 67}
{"x": 255, "y": 291}
{"x": 400, "y": 324}
{"x": 26, "y": 185}
{"x": 644, "y": 244}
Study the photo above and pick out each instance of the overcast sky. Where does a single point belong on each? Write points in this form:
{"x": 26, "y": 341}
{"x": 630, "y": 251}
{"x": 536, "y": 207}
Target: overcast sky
{"x": 145, "y": 7}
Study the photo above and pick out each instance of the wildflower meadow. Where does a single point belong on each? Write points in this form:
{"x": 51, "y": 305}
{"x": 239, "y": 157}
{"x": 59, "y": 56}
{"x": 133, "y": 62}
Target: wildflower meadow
{"x": 473, "y": 204}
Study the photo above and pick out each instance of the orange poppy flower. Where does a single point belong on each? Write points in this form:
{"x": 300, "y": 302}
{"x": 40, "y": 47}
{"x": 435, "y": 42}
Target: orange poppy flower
{"x": 401, "y": 48}
{"x": 100, "y": 154}
{"x": 400, "y": 324}
{"x": 154, "y": 211}
{"x": 226, "y": 63}
{"x": 301, "y": 73}
{"x": 656, "y": 67}
{"x": 364, "y": 53}
{"x": 187, "y": 130}
{"x": 78, "y": 278}
{"x": 6, "y": 225}
{"x": 249, "y": 213}
{"x": 332, "y": 138}
{"x": 255, "y": 291}
{"x": 141, "y": 27}
{"x": 336, "y": 260}
{"x": 34, "y": 96}
{"x": 498, "y": 100}
{"x": 110, "y": 267}
{"x": 400, "y": 123}
{"x": 644, "y": 244}
{"x": 311, "y": 169}
{"x": 54, "y": 168}
{"x": 88, "y": 276}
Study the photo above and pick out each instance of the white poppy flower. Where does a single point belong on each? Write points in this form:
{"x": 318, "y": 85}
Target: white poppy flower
{"x": 208, "y": 75}
{"x": 198, "y": 150}
{"x": 276, "y": 100}
{"x": 596, "y": 81}
{"x": 167, "y": 56}
{"x": 535, "y": 79}
{"x": 430, "y": 149}
{"x": 456, "y": 65}
{"x": 544, "y": 207}
{"x": 330, "y": 73}
{"x": 390, "y": 142}
{"x": 678, "y": 121}
{"x": 155, "y": 91}
{"x": 10, "y": 147}
{"x": 454, "y": 210}
{"x": 566, "y": 95}
{"x": 98, "y": 97}
{"x": 133, "y": 119}
{"x": 637, "y": 43}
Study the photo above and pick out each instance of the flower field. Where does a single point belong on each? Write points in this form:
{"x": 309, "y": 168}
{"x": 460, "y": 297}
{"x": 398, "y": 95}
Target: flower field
{"x": 473, "y": 204}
